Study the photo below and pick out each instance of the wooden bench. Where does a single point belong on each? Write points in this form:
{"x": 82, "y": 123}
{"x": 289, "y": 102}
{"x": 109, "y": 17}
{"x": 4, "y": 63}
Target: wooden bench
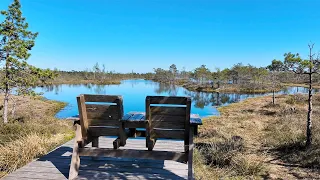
{"x": 169, "y": 117}
{"x": 169, "y": 120}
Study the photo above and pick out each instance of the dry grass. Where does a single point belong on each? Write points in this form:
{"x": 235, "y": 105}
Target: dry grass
{"x": 33, "y": 132}
{"x": 254, "y": 139}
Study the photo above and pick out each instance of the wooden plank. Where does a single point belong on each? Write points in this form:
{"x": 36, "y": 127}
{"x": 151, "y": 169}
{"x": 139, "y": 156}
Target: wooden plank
{"x": 169, "y": 118}
{"x": 117, "y": 168}
{"x": 103, "y": 131}
{"x": 128, "y": 176}
{"x": 105, "y": 162}
{"x": 126, "y": 116}
{"x": 167, "y": 124}
{"x": 167, "y": 100}
{"x": 98, "y": 111}
{"x": 137, "y": 117}
{"x": 187, "y": 126}
{"x": 130, "y": 153}
{"x": 135, "y": 124}
{"x": 104, "y": 122}
{"x": 101, "y": 98}
{"x": 36, "y": 175}
{"x": 149, "y": 140}
{"x": 83, "y": 116}
{"x": 195, "y": 119}
{"x": 75, "y": 160}
{"x": 121, "y": 132}
{"x": 172, "y": 111}
{"x": 168, "y": 133}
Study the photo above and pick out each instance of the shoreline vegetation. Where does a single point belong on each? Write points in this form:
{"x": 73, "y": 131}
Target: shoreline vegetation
{"x": 33, "y": 132}
{"x": 234, "y": 88}
{"x": 237, "y": 79}
{"x": 225, "y": 88}
{"x": 255, "y": 139}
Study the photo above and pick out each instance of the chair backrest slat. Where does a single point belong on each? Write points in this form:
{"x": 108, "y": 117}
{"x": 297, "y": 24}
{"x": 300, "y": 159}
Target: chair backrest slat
{"x": 98, "y": 111}
{"x": 168, "y": 100}
{"x": 100, "y": 98}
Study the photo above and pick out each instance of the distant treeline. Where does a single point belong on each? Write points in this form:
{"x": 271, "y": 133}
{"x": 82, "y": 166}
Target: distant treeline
{"x": 237, "y": 78}
{"x": 97, "y": 75}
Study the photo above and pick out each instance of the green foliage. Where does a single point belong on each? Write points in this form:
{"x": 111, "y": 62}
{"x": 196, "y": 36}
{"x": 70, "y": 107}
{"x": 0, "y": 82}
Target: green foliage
{"x": 202, "y": 73}
{"x": 293, "y": 62}
{"x": 16, "y": 42}
{"x": 276, "y": 65}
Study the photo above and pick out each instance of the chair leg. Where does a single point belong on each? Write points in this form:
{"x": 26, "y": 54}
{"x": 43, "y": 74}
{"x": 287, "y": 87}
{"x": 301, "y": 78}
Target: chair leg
{"x": 95, "y": 143}
{"x": 116, "y": 143}
{"x": 122, "y": 134}
{"x": 75, "y": 160}
{"x": 150, "y": 143}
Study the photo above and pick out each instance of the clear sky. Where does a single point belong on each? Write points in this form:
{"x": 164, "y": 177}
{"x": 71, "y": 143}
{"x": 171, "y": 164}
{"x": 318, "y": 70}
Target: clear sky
{"x": 139, "y": 35}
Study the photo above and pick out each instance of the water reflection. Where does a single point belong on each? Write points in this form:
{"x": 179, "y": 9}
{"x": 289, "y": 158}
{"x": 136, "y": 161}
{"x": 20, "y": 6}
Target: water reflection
{"x": 170, "y": 89}
{"x": 135, "y": 91}
{"x": 52, "y": 88}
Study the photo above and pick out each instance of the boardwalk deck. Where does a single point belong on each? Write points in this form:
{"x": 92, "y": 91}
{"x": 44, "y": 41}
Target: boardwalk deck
{"x": 55, "y": 165}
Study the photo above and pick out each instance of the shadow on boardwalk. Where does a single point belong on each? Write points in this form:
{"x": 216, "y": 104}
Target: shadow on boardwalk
{"x": 55, "y": 165}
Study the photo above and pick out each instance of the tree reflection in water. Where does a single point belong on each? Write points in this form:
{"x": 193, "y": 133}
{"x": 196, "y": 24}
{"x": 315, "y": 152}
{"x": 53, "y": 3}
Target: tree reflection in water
{"x": 52, "y": 88}
{"x": 202, "y": 99}
{"x": 171, "y": 89}
{"x": 199, "y": 99}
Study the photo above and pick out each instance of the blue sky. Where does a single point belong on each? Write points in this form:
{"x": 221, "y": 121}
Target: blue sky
{"x": 139, "y": 35}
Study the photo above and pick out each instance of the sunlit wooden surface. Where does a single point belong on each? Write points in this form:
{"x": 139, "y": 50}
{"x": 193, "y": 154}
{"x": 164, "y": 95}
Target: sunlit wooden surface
{"x": 55, "y": 165}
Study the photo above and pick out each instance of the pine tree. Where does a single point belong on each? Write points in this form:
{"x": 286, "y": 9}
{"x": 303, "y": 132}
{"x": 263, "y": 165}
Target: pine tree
{"x": 15, "y": 43}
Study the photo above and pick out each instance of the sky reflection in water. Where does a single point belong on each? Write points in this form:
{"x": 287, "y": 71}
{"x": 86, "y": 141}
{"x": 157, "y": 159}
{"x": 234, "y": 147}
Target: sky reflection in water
{"x": 134, "y": 93}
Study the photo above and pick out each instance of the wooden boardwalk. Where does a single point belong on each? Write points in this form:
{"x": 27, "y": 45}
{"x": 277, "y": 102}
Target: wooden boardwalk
{"x": 55, "y": 165}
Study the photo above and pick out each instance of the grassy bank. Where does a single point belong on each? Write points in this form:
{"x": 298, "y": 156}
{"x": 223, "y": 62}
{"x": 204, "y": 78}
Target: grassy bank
{"x": 317, "y": 86}
{"x": 223, "y": 88}
{"x": 227, "y": 88}
{"x": 33, "y": 132}
{"x": 254, "y": 139}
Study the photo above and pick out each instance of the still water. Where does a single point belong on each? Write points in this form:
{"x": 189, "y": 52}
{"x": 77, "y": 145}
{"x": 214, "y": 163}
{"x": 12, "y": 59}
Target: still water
{"x": 134, "y": 93}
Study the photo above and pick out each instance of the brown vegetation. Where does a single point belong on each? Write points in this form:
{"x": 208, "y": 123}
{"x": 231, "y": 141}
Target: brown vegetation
{"x": 33, "y": 132}
{"x": 255, "y": 139}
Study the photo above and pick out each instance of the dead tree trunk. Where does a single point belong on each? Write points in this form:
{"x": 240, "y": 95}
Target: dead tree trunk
{"x": 273, "y": 96}
{"x": 309, "y": 120}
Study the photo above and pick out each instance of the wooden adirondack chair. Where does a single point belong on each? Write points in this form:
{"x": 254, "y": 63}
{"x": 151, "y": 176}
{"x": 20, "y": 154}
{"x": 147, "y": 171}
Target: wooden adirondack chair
{"x": 170, "y": 120}
{"x": 96, "y": 119}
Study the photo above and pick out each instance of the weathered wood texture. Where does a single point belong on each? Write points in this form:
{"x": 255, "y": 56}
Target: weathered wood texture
{"x": 100, "y": 115}
{"x": 167, "y": 121}
{"x": 55, "y": 165}
{"x": 194, "y": 118}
